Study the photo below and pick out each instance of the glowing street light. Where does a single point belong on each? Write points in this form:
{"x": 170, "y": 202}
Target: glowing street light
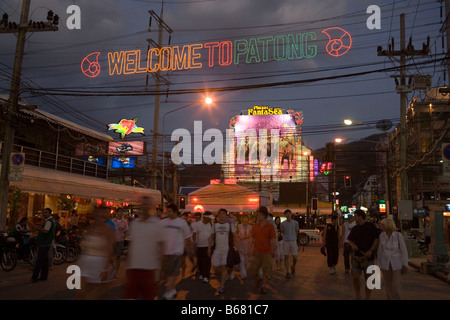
{"x": 348, "y": 122}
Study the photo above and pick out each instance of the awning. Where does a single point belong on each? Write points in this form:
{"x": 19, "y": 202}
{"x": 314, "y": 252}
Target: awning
{"x": 53, "y": 182}
{"x": 216, "y": 208}
{"x": 233, "y": 197}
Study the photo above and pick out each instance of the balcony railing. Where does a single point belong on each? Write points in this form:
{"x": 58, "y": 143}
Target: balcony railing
{"x": 59, "y": 162}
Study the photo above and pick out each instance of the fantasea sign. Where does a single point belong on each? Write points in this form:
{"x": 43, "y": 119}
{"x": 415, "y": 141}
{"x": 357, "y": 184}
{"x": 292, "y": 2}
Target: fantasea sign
{"x": 254, "y": 50}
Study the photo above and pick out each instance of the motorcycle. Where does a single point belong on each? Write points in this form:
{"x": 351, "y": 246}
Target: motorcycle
{"x": 27, "y": 250}
{"x": 8, "y": 258}
{"x": 67, "y": 247}
{"x": 423, "y": 246}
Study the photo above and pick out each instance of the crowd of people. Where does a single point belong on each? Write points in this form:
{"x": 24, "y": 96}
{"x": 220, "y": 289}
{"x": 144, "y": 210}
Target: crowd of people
{"x": 160, "y": 243}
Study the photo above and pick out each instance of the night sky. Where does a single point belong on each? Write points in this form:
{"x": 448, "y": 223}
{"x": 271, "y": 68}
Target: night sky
{"x": 52, "y": 62}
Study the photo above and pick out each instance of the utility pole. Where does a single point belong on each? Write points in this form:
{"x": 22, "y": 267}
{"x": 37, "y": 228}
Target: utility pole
{"x": 158, "y": 79}
{"x": 9, "y": 112}
{"x": 403, "y": 89}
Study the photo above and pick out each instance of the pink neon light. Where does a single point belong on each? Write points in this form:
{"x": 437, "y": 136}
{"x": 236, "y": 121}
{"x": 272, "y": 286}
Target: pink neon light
{"x": 90, "y": 65}
{"x": 338, "y": 46}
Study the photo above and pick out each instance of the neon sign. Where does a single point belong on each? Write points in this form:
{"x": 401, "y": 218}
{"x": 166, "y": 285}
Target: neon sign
{"x": 339, "y": 45}
{"x": 125, "y": 127}
{"x": 254, "y": 50}
{"x": 264, "y": 111}
{"x": 90, "y": 65}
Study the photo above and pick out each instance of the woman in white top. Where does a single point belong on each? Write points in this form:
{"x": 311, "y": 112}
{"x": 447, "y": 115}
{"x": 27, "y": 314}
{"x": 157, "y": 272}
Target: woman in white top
{"x": 392, "y": 258}
{"x": 244, "y": 242}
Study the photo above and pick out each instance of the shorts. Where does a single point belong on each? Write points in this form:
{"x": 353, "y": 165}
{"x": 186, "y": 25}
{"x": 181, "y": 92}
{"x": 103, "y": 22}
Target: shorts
{"x": 359, "y": 266}
{"x": 290, "y": 247}
{"x": 263, "y": 260}
{"x": 92, "y": 267}
{"x": 219, "y": 258}
{"x": 118, "y": 248}
{"x": 170, "y": 265}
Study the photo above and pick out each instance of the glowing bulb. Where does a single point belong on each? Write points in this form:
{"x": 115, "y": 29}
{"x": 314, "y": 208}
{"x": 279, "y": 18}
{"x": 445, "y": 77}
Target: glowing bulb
{"x": 208, "y": 100}
{"x": 348, "y": 122}
{"x": 338, "y": 140}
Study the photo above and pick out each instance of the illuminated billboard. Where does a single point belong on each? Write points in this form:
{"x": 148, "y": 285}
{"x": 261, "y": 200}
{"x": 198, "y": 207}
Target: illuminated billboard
{"x": 95, "y": 160}
{"x": 83, "y": 149}
{"x": 123, "y": 162}
{"x": 126, "y": 148}
{"x": 249, "y": 131}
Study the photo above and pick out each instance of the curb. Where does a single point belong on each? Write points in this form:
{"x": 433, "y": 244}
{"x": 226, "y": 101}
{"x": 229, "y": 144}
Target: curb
{"x": 438, "y": 275}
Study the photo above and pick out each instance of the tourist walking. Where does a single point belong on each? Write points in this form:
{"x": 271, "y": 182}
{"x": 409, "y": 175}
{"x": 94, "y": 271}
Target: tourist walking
{"x": 223, "y": 233}
{"x": 120, "y": 234}
{"x": 97, "y": 257}
{"x": 347, "y": 228}
{"x": 364, "y": 241}
{"x": 201, "y": 233}
{"x": 178, "y": 236}
{"x": 264, "y": 245}
{"x": 392, "y": 258}
{"x": 279, "y": 256}
{"x": 145, "y": 251}
{"x": 289, "y": 229}
{"x": 44, "y": 241}
{"x": 244, "y": 244}
{"x": 331, "y": 242}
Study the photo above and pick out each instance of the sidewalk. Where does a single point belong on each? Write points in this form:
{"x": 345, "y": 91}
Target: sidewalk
{"x": 419, "y": 262}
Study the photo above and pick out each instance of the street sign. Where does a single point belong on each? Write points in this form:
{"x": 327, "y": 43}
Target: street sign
{"x": 15, "y": 176}
{"x": 421, "y": 212}
{"x": 17, "y": 159}
{"x": 17, "y": 164}
{"x": 405, "y": 210}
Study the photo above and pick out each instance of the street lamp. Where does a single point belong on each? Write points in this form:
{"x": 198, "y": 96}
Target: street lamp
{"x": 208, "y": 101}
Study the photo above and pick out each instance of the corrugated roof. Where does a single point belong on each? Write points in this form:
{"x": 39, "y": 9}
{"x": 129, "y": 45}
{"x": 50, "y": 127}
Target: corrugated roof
{"x": 68, "y": 124}
{"x": 58, "y": 120}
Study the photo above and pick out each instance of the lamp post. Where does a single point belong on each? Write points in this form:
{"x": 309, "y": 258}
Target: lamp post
{"x": 207, "y": 101}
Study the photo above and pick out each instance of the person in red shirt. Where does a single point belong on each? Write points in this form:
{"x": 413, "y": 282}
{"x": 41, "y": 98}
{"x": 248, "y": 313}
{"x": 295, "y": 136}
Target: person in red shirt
{"x": 264, "y": 247}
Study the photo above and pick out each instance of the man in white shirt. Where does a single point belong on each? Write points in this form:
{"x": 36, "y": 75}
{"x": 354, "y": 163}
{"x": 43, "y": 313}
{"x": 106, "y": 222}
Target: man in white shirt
{"x": 348, "y": 226}
{"x": 144, "y": 254}
{"x": 221, "y": 239}
{"x": 202, "y": 231}
{"x": 289, "y": 229}
{"x": 178, "y": 236}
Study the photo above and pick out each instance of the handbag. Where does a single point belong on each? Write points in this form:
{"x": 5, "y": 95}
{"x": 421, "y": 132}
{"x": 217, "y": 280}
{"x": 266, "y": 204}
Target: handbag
{"x": 233, "y": 257}
{"x": 322, "y": 251}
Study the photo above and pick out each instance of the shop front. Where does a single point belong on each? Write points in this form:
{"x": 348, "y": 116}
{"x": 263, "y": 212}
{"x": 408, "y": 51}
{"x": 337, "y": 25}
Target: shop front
{"x": 65, "y": 192}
